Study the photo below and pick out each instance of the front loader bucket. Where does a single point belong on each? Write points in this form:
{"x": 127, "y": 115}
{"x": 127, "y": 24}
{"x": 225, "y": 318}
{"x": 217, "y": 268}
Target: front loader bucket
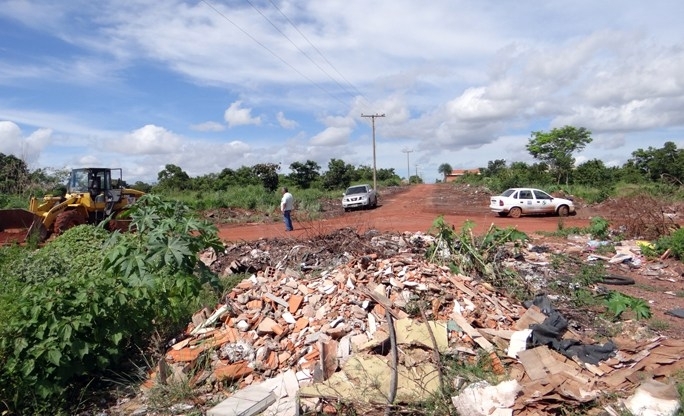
{"x": 20, "y": 225}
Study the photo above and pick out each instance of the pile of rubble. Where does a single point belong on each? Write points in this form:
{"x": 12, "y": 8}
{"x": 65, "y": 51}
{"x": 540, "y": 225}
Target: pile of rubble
{"x": 297, "y": 337}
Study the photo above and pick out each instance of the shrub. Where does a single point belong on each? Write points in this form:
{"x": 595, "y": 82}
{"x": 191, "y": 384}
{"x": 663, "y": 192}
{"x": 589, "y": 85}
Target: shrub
{"x": 674, "y": 242}
{"x": 73, "y": 308}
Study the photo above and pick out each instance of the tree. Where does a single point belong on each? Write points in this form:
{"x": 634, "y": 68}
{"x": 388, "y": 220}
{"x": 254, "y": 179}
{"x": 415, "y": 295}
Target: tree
{"x": 556, "y": 147}
{"x": 664, "y": 163}
{"x": 173, "y": 178}
{"x": 268, "y": 173}
{"x": 304, "y": 174}
{"x": 494, "y": 168}
{"x": 339, "y": 175}
{"x": 444, "y": 169}
{"x": 415, "y": 179}
{"x": 13, "y": 174}
{"x": 593, "y": 173}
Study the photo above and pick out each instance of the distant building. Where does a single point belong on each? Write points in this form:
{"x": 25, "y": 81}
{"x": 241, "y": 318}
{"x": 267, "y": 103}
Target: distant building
{"x": 457, "y": 173}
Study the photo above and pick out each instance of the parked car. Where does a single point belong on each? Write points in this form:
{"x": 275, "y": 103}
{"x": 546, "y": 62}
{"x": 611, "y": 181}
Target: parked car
{"x": 359, "y": 196}
{"x": 515, "y": 202}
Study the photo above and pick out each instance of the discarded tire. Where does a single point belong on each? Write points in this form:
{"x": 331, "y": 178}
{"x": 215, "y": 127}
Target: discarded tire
{"x": 616, "y": 280}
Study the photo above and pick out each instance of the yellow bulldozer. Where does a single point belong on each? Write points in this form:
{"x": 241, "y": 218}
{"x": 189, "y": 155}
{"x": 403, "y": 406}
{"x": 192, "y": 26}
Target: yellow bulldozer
{"x": 92, "y": 195}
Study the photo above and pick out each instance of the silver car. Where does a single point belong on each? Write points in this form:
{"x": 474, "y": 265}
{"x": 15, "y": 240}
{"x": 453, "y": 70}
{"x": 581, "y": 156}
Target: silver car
{"x": 359, "y": 196}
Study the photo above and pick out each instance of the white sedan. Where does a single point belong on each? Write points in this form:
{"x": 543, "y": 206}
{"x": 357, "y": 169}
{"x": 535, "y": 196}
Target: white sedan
{"x": 515, "y": 202}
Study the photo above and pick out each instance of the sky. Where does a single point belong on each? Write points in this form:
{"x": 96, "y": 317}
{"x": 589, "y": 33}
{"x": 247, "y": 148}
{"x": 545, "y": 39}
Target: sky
{"x": 215, "y": 84}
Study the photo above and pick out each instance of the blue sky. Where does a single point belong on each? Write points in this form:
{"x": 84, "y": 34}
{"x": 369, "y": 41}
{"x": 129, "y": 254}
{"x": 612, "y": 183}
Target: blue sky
{"x": 215, "y": 84}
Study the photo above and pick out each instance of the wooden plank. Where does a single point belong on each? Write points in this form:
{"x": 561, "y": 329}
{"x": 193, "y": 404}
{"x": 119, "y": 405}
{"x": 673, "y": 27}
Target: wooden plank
{"x": 472, "y": 332}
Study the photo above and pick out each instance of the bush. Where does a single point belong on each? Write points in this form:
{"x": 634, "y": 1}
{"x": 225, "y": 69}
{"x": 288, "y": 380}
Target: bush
{"x": 674, "y": 242}
{"x": 74, "y": 308}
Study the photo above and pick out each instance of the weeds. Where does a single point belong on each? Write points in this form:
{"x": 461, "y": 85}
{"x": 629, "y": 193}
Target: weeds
{"x": 617, "y": 303}
{"x": 478, "y": 256}
{"x": 658, "y": 325}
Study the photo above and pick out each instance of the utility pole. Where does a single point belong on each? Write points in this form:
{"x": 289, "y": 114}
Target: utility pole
{"x": 372, "y": 117}
{"x": 408, "y": 166}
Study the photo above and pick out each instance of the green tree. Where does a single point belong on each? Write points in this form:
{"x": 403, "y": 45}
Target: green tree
{"x": 593, "y": 173}
{"x": 555, "y": 148}
{"x": 304, "y": 174}
{"x": 173, "y": 178}
{"x": 268, "y": 174}
{"x": 494, "y": 168}
{"x": 14, "y": 174}
{"x": 444, "y": 169}
{"x": 339, "y": 175}
{"x": 665, "y": 163}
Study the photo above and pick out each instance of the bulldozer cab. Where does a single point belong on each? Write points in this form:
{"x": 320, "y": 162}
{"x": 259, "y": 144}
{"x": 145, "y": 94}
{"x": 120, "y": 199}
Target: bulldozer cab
{"x": 94, "y": 181}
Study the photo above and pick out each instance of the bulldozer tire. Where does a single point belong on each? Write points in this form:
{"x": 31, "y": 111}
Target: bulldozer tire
{"x": 68, "y": 219}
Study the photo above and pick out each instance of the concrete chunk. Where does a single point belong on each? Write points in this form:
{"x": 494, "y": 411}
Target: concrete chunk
{"x": 249, "y": 401}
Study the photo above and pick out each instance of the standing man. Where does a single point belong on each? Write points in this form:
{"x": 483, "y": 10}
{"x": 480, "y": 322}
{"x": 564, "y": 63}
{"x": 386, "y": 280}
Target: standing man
{"x": 286, "y": 206}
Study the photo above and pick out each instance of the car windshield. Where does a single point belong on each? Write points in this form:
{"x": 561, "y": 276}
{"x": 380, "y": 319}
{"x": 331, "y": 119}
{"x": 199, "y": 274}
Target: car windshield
{"x": 508, "y": 192}
{"x": 356, "y": 190}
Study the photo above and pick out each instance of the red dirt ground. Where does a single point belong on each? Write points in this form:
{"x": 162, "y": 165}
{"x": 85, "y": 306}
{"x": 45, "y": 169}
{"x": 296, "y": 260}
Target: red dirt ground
{"x": 412, "y": 209}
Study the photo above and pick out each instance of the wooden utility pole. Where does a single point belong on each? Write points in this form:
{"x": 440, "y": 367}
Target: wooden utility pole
{"x": 372, "y": 117}
{"x": 408, "y": 165}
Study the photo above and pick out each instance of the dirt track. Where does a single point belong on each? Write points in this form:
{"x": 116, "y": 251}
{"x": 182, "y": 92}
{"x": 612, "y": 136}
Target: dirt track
{"x": 412, "y": 209}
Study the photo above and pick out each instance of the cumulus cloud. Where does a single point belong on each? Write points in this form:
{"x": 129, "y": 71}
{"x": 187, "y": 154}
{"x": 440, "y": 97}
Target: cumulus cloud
{"x": 235, "y": 115}
{"x": 331, "y": 136}
{"x": 208, "y": 126}
{"x": 147, "y": 140}
{"x": 27, "y": 148}
{"x": 11, "y": 141}
{"x": 284, "y": 122}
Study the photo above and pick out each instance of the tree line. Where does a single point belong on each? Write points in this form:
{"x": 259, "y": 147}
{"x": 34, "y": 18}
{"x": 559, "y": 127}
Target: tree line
{"x": 556, "y": 164}
{"x": 17, "y": 179}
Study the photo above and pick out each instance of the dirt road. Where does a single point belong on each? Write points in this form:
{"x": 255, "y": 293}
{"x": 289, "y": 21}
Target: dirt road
{"x": 412, "y": 209}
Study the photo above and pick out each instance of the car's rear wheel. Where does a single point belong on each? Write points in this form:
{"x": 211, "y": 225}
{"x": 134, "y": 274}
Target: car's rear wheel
{"x": 515, "y": 212}
{"x": 563, "y": 211}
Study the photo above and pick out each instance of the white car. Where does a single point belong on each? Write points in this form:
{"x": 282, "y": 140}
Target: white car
{"x": 359, "y": 196}
{"x": 515, "y": 202}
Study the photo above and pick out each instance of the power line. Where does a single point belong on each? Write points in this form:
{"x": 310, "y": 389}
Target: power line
{"x": 295, "y": 45}
{"x": 320, "y": 53}
{"x": 272, "y": 52}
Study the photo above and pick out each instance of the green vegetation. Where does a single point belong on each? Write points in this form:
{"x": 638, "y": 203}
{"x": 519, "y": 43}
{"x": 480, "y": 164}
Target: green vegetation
{"x": 478, "y": 256}
{"x": 78, "y": 306}
{"x": 617, "y": 303}
{"x": 673, "y": 242}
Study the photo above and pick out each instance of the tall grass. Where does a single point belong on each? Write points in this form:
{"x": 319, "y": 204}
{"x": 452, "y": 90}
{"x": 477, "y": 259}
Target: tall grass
{"x": 252, "y": 197}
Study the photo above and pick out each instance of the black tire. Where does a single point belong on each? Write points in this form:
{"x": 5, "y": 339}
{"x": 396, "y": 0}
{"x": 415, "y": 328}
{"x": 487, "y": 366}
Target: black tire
{"x": 563, "y": 211}
{"x": 68, "y": 219}
{"x": 515, "y": 212}
{"x": 616, "y": 280}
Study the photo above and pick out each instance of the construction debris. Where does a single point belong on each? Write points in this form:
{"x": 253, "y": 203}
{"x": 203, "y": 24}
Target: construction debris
{"x": 297, "y": 335}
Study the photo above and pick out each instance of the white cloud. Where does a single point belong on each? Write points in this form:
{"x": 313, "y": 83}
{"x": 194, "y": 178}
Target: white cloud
{"x": 208, "y": 126}
{"x": 237, "y": 116}
{"x": 27, "y": 148}
{"x": 11, "y": 140}
{"x": 331, "y": 136}
{"x": 284, "y": 122}
{"x": 147, "y": 140}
